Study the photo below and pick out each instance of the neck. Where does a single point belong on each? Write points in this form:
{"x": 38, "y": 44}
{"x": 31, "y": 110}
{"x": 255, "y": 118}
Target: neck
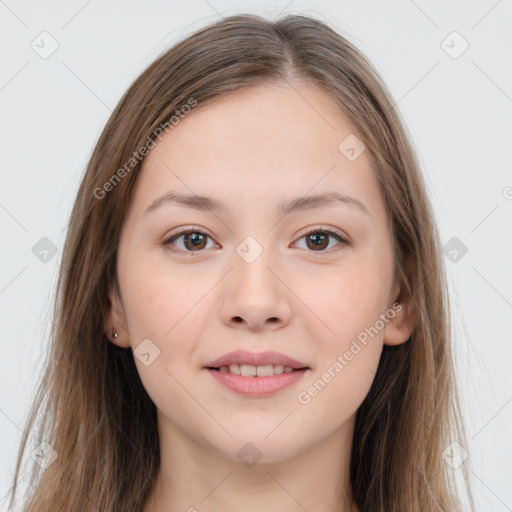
{"x": 196, "y": 478}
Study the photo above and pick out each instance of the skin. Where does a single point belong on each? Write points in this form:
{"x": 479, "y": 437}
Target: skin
{"x": 250, "y": 151}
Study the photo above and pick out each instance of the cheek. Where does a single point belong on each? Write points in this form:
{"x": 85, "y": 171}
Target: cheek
{"x": 347, "y": 303}
{"x": 350, "y": 305}
{"x": 159, "y": 299}
{"x": 165, "y": 307}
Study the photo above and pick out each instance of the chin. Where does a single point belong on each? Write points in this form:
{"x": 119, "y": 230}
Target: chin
{"x": 251, "y": 446}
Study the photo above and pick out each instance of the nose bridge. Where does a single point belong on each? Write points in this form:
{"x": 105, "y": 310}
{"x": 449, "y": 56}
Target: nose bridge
{"x": 253, "y": 292}
{"x": 252, "y": 261}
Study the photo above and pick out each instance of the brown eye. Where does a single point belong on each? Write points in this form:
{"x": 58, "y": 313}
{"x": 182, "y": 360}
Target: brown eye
{"x": 318, "y": 240}
{"x": 193, "y": 240}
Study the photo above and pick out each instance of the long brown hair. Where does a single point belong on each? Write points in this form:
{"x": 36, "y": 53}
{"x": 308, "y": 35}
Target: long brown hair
{"x": 91, "y": 406}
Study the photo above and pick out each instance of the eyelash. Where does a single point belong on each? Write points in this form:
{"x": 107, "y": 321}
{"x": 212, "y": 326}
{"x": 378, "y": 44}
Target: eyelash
{"x": 342, "y": 241}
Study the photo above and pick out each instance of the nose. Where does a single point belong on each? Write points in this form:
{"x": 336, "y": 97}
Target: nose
{"x": 255, "y": 296}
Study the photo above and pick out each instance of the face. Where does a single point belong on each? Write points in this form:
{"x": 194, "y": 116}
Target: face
{"x": 306, "y": 282}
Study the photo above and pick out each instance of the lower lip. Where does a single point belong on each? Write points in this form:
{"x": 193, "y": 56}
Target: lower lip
{"x": 257, "y": 386}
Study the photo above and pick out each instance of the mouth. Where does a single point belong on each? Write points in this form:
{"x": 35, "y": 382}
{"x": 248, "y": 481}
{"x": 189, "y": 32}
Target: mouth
{"x": 256, "y": 374}
{"x": 256, "y": 381}
{"x": 249, "y": 370}
{"x": 255, "y": 364}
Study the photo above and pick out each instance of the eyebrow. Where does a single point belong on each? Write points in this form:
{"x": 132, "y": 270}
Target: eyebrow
{"x": 204, "y": 203}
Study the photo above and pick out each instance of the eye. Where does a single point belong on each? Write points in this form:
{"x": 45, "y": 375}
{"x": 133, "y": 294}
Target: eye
{"x": 318, "y": 239}
{"x": 194, "y": 240}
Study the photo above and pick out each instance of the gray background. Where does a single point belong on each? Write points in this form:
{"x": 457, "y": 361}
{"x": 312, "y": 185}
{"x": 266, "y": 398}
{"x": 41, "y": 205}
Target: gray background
{"x": 457, "y": 106}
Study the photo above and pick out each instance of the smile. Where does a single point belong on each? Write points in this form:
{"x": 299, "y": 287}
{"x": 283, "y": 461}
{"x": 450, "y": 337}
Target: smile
{"x": 249, "y": 370}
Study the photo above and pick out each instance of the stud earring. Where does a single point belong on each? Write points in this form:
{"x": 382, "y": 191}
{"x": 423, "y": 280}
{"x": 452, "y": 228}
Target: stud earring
{"x": 114, "y": 335}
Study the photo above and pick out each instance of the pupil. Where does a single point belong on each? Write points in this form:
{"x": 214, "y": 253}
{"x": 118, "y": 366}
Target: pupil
{"x": 317, "y": 239}
{"x": 195, "y": 238}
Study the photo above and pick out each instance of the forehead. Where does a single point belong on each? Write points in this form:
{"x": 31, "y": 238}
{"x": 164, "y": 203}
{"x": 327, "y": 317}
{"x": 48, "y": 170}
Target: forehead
{"x": 262, "y": 143}
{"x": 302, "y": 116}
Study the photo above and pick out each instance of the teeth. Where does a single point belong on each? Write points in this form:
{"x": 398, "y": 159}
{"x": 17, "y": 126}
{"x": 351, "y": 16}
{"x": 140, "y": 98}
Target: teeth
{"x": 234, "y": 368}
{"x": 249, "y": 370}
{"x": 264, "y": 371}
{"x": 278, "y": 369}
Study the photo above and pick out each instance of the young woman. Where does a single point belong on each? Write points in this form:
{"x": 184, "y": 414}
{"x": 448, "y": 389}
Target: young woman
{"x": 252, "y": 309}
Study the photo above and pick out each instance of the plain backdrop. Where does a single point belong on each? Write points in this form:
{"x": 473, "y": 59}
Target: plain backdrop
{"x": 449, "y": 68}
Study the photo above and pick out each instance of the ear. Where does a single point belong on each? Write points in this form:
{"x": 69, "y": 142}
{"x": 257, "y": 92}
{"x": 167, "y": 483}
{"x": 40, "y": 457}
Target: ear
{"x": 399, "y": 327}
{"x": 114, "y": 320}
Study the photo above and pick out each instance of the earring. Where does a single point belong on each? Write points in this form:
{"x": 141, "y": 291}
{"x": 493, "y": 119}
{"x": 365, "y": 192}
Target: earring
{"x": 114, "y": 335}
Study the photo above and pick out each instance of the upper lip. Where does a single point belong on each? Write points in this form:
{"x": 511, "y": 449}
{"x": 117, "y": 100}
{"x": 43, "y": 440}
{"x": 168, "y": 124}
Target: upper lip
{"x": 255, "y": 359}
